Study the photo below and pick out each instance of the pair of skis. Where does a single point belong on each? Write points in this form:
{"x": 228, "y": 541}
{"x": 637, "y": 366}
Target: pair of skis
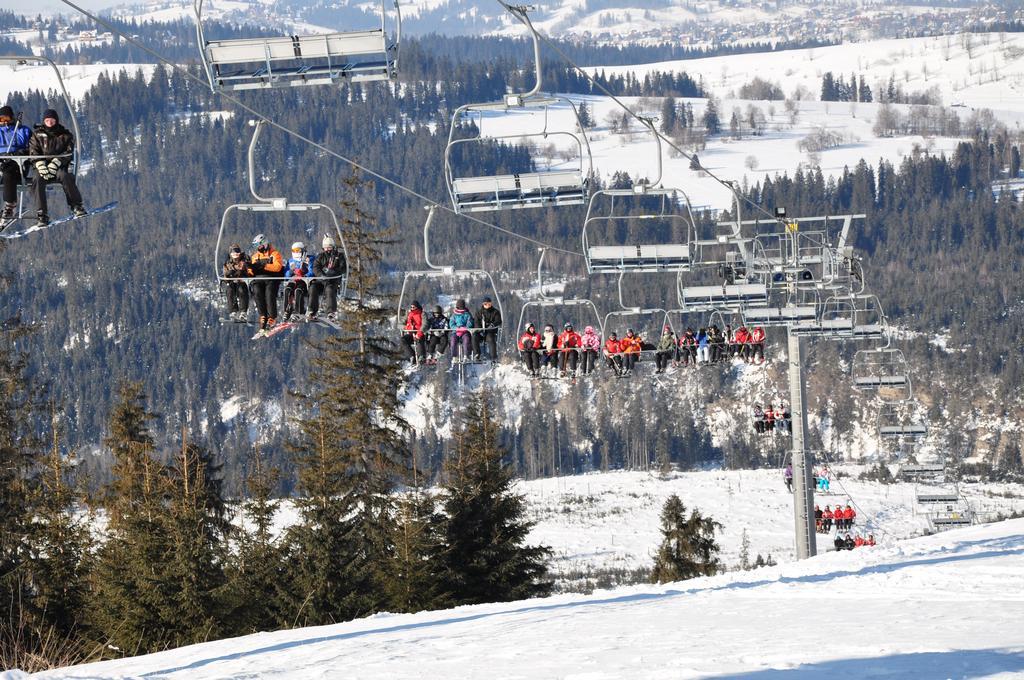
{"x": 289, "y": 325}
{"x": 53, "y": 223}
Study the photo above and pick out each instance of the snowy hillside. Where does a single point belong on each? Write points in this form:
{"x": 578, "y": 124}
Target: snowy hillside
{"x": 942, "y": 606}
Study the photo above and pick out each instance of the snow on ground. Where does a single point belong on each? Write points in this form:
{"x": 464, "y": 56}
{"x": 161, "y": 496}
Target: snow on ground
{"x": 78, "y": 79}
{"x": 942, "y": 606}
{"x": 987, "y": 73}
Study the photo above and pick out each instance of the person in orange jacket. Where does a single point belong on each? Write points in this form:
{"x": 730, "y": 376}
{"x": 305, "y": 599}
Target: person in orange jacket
{"x": 630, "y": 346}
{"x": 569, "y": 343}
{"x": 414, "y": 340}
{"x": 529, "y": 347}
{"x": 267, "y": 267}
{"x": 613, "y": 353}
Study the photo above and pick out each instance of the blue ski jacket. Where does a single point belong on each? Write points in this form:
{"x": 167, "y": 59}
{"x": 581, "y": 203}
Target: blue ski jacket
{"x": 304, "y": 265}
{"x": 14, "y": 139}
{"x": 460, "y": 320}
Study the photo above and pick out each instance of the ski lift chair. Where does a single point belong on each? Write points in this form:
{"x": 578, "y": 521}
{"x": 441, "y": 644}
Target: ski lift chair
{"x": 799, "y": 309}
{"x": 299, "y": 60}
{"x": 676, "y": 225}
{"x": 281, "y": 206}
{"x": 835, "y": 321}
{"x": 892, "y": 426}
{"x": 585, "y": 305}
{"x": 526, "y": 187}
{"x": 869, "y": 318}
{"x": 450, "y": 273}
{"x": 24, "y": 160}
{"x": 882, "y": 370}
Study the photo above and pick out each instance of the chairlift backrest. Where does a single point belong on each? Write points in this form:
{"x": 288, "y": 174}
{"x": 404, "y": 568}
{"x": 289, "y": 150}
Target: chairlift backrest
{"x": 300, "y": 60}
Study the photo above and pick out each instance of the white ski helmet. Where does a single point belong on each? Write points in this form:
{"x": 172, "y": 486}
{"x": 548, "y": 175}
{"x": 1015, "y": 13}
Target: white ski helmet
{"x": 328, "y": 242}
{"x": 298, "y": 247}
{"x": 259, "y": 240}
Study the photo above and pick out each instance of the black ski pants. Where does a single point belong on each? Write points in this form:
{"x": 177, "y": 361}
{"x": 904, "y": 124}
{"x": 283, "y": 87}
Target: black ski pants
{"x": 265, "y": 292}
{"x": 238, "y": 296}
{"x": 66, "y": 181}
{"x": 615, "y": 362}
{"x": 630, "y": 359}
{"x": 330, "y": 287}
{"x": 11, "y": 173}
{"x": 414, "y": 348}
{"x": 588, "y": 361}
{"x": 568, "y": 360}
{"x": 295, "y": 294}
{"x": 532, "y": 360}
{"x": 490, "y": 336}
{"x": 663, "y": 359}
{"x": 436, "y": 343}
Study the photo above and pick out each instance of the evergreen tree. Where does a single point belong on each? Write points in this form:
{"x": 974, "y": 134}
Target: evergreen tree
{"x": 59, "y": 543}
{"x": 127, "y": 593}
{"x": 484, "y": 527}
{"x": 352, "y": 453}
{"x": 745, "y": 551}
{"x": 256, "y": 571}
{"x": 688, "y": 548}
{"x": 712, "y": 122}
{"x": 415, "y": 579}
{"x": 668, "y": 115}
{"x": 586, "y": 120}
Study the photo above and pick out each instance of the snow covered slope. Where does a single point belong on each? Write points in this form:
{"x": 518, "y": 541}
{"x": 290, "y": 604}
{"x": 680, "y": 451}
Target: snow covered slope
{"x": 937, "y": 607}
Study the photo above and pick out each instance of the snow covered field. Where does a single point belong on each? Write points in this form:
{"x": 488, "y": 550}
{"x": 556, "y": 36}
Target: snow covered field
{"x": 946, "y": 606}
{"x": 78, "y": 78}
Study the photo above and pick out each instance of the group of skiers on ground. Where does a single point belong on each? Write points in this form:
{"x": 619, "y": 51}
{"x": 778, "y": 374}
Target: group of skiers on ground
{"x": 50, "y": 148}
{"x": 425, "y": 339}
{"x": 770, "y": 419}
{"x": 262, "y": 272}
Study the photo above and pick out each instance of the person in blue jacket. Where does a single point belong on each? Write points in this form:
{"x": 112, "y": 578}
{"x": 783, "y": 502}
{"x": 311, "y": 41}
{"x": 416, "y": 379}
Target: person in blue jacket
{"x": 297, "y": 274}
{"x": 14, "y": 138}
{"x": 703, "y": 346}
{"x": 461, "y": 324}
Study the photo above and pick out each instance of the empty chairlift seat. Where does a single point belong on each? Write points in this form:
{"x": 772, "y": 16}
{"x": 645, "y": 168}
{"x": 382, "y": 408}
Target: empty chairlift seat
{"x": 780, "y": 316}
{"x": 913, "y": 472}
{"x": 725, "y": 296}
{"x": 938, "y": 498}
{"x": 639, "y": 258}
{"x": 525, "y": 190}
{"x": 253, "y": 63}
{"x": 951, "y": 520}
{"x": 903, "y": 430}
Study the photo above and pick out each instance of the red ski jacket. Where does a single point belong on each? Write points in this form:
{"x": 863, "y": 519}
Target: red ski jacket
{"x": 414, "y": 322}
{"x": 569, "y": 340}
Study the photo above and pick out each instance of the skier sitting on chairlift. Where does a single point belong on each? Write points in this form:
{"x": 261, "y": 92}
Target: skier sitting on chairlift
{"x": 756, "y": 344}
{"x": 549, "y": 348}
{"x": 665, "y": 350}
{"x": 613, "y": 353}
{"x": 14, "y": 140}
{"x": 742, "y": 343}
{"x": 758, "y": 419}
{"x": 413, "y": 339}
{"x": 267, "y": 267}
{"x": 631, "y": 345}
{"x": 55, "y": 141}
{"x": 703, "y": 346}
{"x": 298, "y": 273}
{"x": 489, "y": 321}
{"x": 569, "y": 343}
{"x": 236, "y": 270}
{"x": 328, "y": 268}
{"x": 437, "y": 335}
{"x": 591, "y": 347}
{"x": 688, "y": 348}
{"x": 529, "y": 344}
{"x": 827, "y": 518}
{"x": 461, "y": 322}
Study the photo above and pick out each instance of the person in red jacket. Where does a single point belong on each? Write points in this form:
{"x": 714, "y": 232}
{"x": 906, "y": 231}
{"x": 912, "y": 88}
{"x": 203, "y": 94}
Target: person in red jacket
{"x": 859, "y": 541}
{"x": 826, "y": 519}
{"x": 871, "y": 540}
{"x": 769, "y": 418}
{"x": 742, "y": 343}
{"x": 613, "y": 353}
{"x": 413, "y": 339}
{"x": 848, "y": 517}
{"x": 529, "y": 347}
{"x": 756, "y": 344}
{"x": 569, "y": 343}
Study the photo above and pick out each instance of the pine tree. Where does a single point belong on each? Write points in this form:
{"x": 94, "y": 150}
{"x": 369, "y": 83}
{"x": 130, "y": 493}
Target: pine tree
{"x": 197, "y": 529}
{"x": 484, "y": 528}
{"x": 59, "y": 541}
{"x": 352, "y": 453}
{"x": 712, "y": 122}
{"x": 127, "y": 594}
{"x": 668, "y": 115}
{"x": 688, "y": 548}
{"x": 256, "y": 571}
{"x": 586, "y": 120}
{"x": 745, "y": 551}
